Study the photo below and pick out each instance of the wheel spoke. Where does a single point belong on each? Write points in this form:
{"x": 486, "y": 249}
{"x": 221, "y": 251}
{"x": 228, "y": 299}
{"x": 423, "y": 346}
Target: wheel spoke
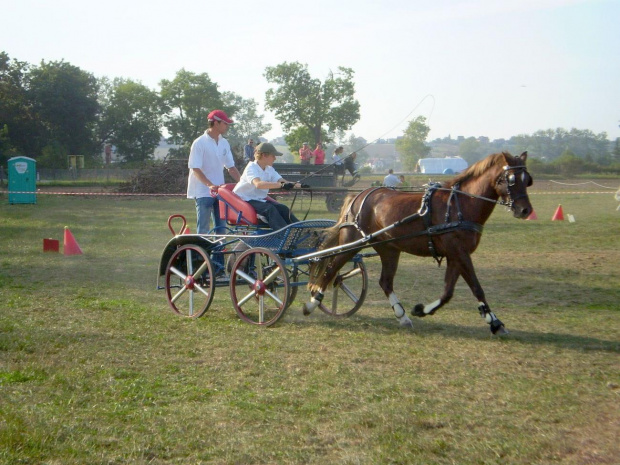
{"x": 178, "y": 273}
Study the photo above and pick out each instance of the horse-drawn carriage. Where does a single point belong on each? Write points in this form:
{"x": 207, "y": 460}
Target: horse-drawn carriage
{"x": 329, "y": 180}
{"x": 263, "y": 269}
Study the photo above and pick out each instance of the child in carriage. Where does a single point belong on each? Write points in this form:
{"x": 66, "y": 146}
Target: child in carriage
{"x": 258, "y": 177}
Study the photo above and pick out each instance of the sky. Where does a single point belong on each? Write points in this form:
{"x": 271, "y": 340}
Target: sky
{"x": 470, "y": 67}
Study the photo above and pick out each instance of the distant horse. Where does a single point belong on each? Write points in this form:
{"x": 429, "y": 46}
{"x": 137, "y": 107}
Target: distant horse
{"x": 445, "y": 221}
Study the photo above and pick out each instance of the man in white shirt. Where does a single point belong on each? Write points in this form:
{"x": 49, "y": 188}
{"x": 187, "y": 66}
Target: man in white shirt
{"x": 258, "y": 177}
{"x": 210, "y": 153}
{"x": 391, "y": 180}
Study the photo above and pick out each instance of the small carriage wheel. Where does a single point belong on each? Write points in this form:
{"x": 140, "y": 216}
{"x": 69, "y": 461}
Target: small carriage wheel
{"x": 334, "y": 202}
{"x": 348, "y": 292}
{"x": 189, "y": 283}
{"x": 259, "y": 287}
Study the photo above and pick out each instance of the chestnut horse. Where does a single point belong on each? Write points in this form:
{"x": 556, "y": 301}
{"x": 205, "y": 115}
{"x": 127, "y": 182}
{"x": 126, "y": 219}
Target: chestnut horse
{"x": 445, "y": 221}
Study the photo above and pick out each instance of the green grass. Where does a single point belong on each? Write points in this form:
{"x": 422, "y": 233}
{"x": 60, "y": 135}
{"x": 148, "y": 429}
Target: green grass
{"x": 95, "y": 369}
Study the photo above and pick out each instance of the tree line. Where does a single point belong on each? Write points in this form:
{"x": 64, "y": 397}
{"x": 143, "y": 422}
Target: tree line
{"x": 552, "y": 151}
{"x": 55, "y": 109}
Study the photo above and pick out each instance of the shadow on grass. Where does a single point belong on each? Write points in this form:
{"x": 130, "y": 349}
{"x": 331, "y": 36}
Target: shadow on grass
{"x": 430, "y": 328}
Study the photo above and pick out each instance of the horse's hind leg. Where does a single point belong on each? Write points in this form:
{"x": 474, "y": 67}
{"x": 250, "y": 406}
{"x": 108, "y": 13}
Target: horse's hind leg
{"x": 389, "y": 265}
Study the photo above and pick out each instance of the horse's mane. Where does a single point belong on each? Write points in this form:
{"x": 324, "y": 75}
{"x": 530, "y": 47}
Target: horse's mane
{"x": 481, "y": 167}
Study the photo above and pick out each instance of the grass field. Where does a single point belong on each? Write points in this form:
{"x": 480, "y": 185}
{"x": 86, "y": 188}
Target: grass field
{"x": 95, "y": 368}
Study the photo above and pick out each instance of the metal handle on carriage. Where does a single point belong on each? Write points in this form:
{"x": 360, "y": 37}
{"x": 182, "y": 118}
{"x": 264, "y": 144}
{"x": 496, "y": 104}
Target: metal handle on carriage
{"x": 172, "y": 217}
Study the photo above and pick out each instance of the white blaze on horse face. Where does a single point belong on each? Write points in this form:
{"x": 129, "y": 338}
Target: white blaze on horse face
{"x": 430, "y": 307}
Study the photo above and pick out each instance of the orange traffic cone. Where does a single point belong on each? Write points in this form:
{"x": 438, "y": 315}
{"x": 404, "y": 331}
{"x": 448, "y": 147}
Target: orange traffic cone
{"x": 187, "y": 231}
{"x": 558, "y": 215}
{"x": 532, "y": 216}
{"x": 70, "y": 245}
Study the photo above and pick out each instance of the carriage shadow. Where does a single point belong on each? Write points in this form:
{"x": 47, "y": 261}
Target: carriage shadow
{"x": 387, "y": 325}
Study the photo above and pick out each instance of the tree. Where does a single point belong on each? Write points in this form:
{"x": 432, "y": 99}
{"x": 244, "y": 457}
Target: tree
{"x": 298, "y": 100}
{"x": 131, "y": 120}
{"x": 248, "y": 123}
{"x": 470, "y": 150}
{"x": 411, "y": 146}
{"x": 187, "y": 100}
{"x": 21, "y": 134}
{"x": 64, "y": 101}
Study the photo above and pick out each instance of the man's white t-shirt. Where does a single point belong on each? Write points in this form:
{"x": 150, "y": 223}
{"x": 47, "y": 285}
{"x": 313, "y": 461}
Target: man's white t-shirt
{"x": 391, "y": 180}
{"x": 247, "y": 190}
{"x": 211, "y": 158}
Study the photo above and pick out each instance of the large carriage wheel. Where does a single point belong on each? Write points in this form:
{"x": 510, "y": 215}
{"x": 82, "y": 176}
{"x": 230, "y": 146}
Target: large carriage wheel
{"x": 259, "y": 287}
{"x": 189, "y": 283}
{"x": 349, "y": 291}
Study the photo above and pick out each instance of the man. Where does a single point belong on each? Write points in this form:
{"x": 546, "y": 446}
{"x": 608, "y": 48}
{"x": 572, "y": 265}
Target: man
{"x": 319, "y": 154}
{"x": 391, "y": 180}
{"x": 258, "y": 177}
{"x": 305, "y": 154}
{"x": 210, "y": 153}
{"x": 248, "y": 151}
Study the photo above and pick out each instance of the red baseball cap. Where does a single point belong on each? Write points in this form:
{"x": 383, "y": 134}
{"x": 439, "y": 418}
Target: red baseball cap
{"x": 219, "y": 115}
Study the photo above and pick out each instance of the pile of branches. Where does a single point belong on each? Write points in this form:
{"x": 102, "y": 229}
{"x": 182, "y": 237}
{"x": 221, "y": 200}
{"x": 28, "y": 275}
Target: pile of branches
{"x": 169, "y": 177}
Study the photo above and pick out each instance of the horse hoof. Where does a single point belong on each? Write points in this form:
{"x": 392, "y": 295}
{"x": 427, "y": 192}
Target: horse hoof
{"x": 305, "y": 310}
{"x": 500, "y": 330}
{"x": 418, "y": 311}
{"x": 406, "y": 323}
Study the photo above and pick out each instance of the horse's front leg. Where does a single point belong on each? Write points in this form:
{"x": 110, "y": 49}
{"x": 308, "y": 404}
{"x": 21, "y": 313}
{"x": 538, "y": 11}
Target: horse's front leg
{"x": 469, "y": 275}
{"x": 389, "y": 265}
{"x": 450, "y": 279}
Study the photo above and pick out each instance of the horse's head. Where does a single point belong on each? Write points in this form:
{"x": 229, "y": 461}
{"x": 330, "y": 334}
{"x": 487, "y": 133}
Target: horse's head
{"x": 512, "y": 184}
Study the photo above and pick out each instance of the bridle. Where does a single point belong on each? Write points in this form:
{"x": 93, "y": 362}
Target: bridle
{"x": 509, "y": 177}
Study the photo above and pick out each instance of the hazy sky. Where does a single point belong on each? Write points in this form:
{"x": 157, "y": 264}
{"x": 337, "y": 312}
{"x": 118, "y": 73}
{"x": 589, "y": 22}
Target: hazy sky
{"x": 493, "y": 68}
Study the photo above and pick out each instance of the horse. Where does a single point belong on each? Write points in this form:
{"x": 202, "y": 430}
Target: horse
{"x": 445, "y": 221}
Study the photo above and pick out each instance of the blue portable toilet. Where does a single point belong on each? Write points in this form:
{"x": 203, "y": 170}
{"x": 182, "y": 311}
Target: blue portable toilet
{"x": 22, "y": 180}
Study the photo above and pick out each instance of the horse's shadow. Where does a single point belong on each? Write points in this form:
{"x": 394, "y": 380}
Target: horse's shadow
{"x": 388, "y": 325}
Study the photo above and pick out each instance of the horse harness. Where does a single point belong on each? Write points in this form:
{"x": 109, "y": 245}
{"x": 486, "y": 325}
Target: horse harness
{"x": 424, "y": 212}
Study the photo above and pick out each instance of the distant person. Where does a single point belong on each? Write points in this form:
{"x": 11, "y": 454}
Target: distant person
{"x": 248, "y": 151}
{"x": 209, "y": 155}
{"x": 305, "y": 154}
{"x": 391, "y": 180}
{"x": 258, "y": 177}
{"x": 319, "y": 154}
{"x": 349, "y": 164}
{"x": 338, "y": 163}
{"x": 403, "y": 182}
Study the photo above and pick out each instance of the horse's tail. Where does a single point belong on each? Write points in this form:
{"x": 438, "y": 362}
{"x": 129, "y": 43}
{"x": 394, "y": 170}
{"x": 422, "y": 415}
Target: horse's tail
{"x": 330, "y": 239}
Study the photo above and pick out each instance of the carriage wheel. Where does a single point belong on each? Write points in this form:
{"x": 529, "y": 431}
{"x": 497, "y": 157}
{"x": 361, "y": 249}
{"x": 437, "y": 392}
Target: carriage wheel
{"x": 349, "y": 291}
{"x": 334, "y": 202}
{"x": 259, "y": 287}
{"x": 189, "y": 283}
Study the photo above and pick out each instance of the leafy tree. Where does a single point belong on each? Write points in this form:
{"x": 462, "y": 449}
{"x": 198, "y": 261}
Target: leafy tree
{"x": 187, "y": 100}
{"x": 248, "y": 123}
{"x": 616, "y": 151}
{"x": 299, "y": 100}
{"x": 131, "y": 120}
{"x": 20, "y": 129}
{"x": 64, "y": 100}
{"x": 471, "y": 150}
{"x": 569, "y": 163}
{"x": 411, "y": 146}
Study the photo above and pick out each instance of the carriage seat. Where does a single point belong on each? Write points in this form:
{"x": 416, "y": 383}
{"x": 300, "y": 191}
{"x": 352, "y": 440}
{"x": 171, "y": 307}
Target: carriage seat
{"x": 231, "y": 205}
